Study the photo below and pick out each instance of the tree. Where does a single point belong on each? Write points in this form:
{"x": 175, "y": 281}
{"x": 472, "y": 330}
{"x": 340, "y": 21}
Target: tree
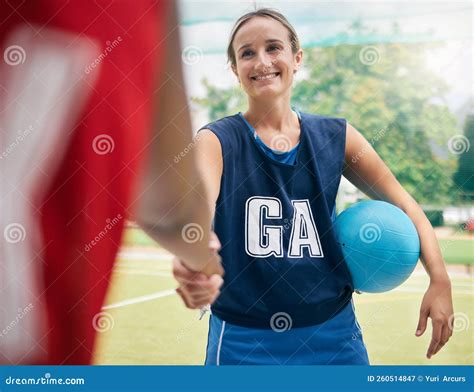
{"x": 388, "y": 94}
{"x": 464, "y": 176}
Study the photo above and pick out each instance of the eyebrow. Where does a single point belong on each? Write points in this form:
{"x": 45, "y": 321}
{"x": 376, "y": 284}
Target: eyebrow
{"x": 273, "y": 40}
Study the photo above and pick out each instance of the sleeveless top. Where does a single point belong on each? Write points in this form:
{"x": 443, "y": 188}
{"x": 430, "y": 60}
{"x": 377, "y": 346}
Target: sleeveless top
{"x": 274, "y": 221}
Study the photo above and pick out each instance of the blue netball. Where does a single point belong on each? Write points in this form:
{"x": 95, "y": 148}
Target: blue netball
{"x": 380, "y": 245}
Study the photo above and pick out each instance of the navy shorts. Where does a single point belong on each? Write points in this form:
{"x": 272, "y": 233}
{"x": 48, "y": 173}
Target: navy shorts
{"x": 337, "y": 341}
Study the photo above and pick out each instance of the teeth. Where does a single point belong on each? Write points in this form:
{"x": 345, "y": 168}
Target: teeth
{"x": 264, "y": 77}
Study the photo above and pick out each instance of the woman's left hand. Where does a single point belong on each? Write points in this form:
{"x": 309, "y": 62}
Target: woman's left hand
{"x": 438, "y": 305}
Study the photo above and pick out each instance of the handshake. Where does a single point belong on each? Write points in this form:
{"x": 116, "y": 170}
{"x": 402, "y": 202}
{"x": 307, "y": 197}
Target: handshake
{"x": 196, "y": 289}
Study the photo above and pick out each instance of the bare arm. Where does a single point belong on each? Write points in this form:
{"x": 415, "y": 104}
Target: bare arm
{"x": 194, "y": 289}
{"x": 172, "y": 203}
{"x": 370, "y": 174}
{"x": 210, "y": 165}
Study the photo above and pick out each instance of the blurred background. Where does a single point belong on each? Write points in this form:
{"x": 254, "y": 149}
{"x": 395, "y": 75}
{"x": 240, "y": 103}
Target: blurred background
{"x": 401, "y": 73}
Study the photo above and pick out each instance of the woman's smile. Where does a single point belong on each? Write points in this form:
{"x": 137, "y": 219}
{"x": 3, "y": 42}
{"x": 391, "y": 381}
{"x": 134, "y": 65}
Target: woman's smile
{"x": 264, "y": 77}
{"x": 268, "y": 77}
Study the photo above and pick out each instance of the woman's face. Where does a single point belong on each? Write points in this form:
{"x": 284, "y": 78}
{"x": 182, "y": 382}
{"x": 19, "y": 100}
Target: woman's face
{"x": 265, "y": 63}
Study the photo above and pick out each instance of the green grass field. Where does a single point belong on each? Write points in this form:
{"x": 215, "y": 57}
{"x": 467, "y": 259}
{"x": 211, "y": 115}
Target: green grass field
{"x": 459, "y": 251}
{"x": 160, "y": 330}
{"x": 455, "y": 251}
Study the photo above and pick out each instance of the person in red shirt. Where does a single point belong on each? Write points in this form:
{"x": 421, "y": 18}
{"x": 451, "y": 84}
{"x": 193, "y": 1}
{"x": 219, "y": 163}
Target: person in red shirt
{"x": 87, "y": 92}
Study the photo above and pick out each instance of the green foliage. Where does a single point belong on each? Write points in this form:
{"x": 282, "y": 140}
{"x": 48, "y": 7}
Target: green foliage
{"x": 435, "y": 217}
{"x": 392, "y": 98}
{"x": 222, "y": 102}
{"x": 464, "y": 176}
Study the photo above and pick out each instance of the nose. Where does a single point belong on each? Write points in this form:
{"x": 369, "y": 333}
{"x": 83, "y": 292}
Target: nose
{"x": 264, "y": 61}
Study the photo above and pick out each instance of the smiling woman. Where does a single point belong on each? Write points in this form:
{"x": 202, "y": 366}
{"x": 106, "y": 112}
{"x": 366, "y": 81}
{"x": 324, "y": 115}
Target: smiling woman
{"x": 272, "y": 175}
{"x": 264, "y": 53}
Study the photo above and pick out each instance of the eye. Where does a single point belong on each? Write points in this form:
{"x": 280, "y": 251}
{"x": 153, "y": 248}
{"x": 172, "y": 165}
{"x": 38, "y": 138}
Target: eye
{"x": 247, "y": 53}
{"x": 272, "y": 48}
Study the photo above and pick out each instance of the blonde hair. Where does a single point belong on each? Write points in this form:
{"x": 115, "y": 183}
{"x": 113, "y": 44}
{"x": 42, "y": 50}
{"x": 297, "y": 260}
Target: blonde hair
{"x": 266, "y": 13}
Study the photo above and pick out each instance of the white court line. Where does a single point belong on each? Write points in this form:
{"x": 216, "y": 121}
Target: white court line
{"x": 144, "y": 256}
{"x": 452, "y": 274}
{"x": 127, "y": 271}
{"x": 453, "y": 285}
{"x": 146, "y": 265}
{"x": 166, "y": 293}
{"x": 143, "y": 298}
{"x": 462, "y": 285}
{"x": 418, "y": 290}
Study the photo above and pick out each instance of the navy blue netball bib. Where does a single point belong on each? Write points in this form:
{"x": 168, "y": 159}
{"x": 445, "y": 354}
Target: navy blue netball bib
{"x": 273, "y": 219}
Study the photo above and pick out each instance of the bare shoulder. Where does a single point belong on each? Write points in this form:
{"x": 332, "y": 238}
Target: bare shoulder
{"x": 354, "y": 140}
{"x": 207, "y": 140}
{"x": 207, "y": 136}
{"x": 208, "y": 146}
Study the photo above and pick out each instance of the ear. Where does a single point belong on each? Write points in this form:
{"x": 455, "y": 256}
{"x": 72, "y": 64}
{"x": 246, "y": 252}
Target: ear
{"x": 298, "y": 60}
{"x": 234, "y": 70}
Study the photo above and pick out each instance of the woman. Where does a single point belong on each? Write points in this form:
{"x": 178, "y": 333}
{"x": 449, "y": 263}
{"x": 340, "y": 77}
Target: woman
{"x": 272, "y": 175}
